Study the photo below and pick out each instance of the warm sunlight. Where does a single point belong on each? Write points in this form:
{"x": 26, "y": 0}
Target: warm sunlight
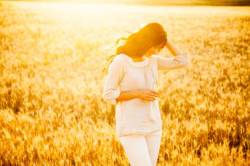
{"x": 158, "y": 2}
{"x": 74, "y": 80}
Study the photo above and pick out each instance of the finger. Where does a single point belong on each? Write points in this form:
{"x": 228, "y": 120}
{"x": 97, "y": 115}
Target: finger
{"x": 150, "y": 98}
{"x": 154, "y": 94}
{"x": 150, "y": 95}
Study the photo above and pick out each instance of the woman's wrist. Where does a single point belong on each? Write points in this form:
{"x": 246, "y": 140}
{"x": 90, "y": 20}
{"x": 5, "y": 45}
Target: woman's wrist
{"x": 136, "y": 93}
{"x": 129, "y": 94}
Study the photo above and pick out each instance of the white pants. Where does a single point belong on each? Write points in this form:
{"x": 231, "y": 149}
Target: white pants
{"x": 142, "y": 150}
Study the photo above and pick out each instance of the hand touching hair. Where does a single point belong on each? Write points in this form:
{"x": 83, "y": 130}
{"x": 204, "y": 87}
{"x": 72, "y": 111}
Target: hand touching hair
{"x": 138, "y": 43}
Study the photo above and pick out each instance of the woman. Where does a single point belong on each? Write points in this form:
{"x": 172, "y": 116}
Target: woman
{"x": 131, "y": 86}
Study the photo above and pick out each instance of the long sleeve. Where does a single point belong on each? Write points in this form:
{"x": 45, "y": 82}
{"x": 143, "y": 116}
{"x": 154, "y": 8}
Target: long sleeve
{"x": 178, "y": 61}
{"x": 111, "y": 89}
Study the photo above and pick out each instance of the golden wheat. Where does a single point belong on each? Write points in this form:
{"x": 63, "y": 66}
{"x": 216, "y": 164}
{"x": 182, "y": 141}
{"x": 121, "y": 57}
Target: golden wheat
{"x": 51, "y": 61}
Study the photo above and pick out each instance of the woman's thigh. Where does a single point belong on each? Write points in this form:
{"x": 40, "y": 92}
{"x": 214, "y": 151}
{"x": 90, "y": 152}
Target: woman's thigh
{"x": 153, "y": 141}
{"x": 136, "y": 149}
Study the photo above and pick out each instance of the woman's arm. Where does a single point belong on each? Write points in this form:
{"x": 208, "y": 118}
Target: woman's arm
{"x": 178, "y": 60}
{"x": 172, "y": 49}
{"x": 111, "y": 89}
{"x": 144, "y": 94}
{"x": 127, "y": 95}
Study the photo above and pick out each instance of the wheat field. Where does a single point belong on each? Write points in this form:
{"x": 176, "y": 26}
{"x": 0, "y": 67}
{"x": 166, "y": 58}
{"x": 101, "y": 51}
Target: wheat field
{"x": 52, "y": 57}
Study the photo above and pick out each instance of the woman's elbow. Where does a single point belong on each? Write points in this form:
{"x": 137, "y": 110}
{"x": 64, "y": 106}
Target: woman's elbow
{"x": 188, "y": 62}
{"x": 185, "y": 62}
{"x": 180, "y": 64}
{"x": 110, "y": 100}
{"x": 111, "y": 96}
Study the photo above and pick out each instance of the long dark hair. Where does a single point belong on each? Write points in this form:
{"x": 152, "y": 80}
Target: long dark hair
{"x": 138, "y": 43}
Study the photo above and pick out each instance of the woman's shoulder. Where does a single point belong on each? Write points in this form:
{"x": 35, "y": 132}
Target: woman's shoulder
{"x": 154, "y": 56}
{"x": 119, "y": 57}
{"x": 118, "y": 61}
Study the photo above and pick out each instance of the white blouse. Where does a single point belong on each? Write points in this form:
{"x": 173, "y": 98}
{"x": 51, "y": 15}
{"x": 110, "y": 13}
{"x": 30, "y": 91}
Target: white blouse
{"x": 137, "y": 116}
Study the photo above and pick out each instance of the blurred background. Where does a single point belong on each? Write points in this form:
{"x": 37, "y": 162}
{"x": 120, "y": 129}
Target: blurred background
{"x": 52, "y": 56}
{"x": 160, "y": 2}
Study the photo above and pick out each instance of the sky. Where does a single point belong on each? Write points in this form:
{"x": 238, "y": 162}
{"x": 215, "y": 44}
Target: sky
{"x": 163, "y": 2}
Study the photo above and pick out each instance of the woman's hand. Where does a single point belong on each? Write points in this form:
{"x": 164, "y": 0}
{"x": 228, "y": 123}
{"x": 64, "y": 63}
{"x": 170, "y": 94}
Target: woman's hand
{"x": 147, "y": 94}
{"x": 171, "y": 48}
{"x": 144, "y": 94}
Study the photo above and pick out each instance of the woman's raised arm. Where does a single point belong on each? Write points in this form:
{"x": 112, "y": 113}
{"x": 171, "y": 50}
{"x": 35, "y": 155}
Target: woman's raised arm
{"x": 178, "y": 60}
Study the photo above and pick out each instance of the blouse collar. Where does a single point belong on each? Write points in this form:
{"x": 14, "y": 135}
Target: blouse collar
{"x": 137, "y": 64}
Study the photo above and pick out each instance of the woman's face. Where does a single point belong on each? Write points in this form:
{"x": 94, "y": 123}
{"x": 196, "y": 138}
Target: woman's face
{"x": 154, "y": 50}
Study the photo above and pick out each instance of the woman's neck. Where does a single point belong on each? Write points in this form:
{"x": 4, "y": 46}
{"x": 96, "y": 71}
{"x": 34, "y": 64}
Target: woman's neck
{"x": 138, "y": 59}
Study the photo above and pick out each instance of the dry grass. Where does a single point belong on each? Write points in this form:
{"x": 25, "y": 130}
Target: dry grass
{"x": 51, "y": 110}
